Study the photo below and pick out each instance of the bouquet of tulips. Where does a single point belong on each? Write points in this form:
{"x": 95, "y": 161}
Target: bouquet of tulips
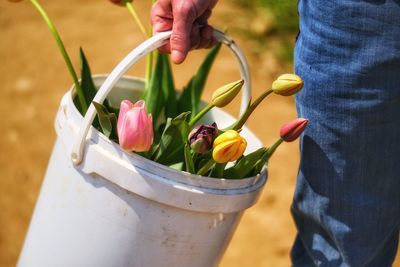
{"x": 163, "y": 125}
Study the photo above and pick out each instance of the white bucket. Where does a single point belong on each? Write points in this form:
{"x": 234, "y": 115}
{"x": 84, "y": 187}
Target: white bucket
{"x": 115, "y": 208}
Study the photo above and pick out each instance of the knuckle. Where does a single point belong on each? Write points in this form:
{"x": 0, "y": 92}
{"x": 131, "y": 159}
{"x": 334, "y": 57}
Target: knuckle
{"x": 177, "y": 38}
{"x": 186, "y": 9}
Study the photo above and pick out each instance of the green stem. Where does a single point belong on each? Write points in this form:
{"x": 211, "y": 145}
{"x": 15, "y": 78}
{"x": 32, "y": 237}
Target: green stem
{"x": 218, "y": 170}
{"x": 149, "y": 68}
{"x": 188, "y": 159}
{"x": 136, "y": 18}
{"x": 150, "y": 56}
{"x": 239, "y": 124}
{"x": 203, "y": 170}
{"x": 272, "y": 148}
{"x": 199, "y": 115}
{"x": 64, "y": 53}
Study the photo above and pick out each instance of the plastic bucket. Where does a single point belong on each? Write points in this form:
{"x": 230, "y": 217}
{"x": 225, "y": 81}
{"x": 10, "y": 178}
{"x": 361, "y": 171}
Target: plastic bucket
{"x": 114, "y": 208}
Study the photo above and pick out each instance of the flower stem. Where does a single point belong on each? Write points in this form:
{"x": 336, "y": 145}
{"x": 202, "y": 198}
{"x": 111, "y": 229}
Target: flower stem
{"x": 135, "y": 16}
{"x": 147, "y": 34}
{"x": 200, "y": 115}
{"x": 149, "y": 65}
{"x": 203, "y": 170}
{"x": 272, "y": 148}
{"x": 188, "y": 159}
{"x": 239, "y": 124}
{"x": 64, "y": 53}
{"x": 218, "y": 170}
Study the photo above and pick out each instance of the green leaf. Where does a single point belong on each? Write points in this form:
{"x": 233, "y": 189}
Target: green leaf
{"x": 171, "y": 109}
{"x": 189, "y": 160}
{"x": 184, "y": 100}
{"x": 154, "y": 95}
{"x": 245, "y": 166}
{"x": 191, "y": 94}
{"x": 180, "y": 121}
{"x": 87, "y": 84}
{"x": 107, "y": 120}
{"x": 170, "y": 148}
{"x": 177, "y": 166}
{"x": 260, "y": 163}
{"x": 201, "y": 76}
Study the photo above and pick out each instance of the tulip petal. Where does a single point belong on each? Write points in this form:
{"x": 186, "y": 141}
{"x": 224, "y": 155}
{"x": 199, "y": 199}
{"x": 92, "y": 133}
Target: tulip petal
{"x": 223, "y": 152}
{"x": 140, "y": 104}
{"x": 226, "y": 136}
{"x": 287, "y": 84}
{"x": 240, "y": 150}
{"x": 292, "y": 130}
{"x": 125, "y": 106}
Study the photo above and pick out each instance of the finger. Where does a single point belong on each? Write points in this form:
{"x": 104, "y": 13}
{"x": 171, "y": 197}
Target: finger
{"x": 184, "y": 16}
{"x": 162, "y": 20}
{"x": 212, "y": 43}
{"x": 165, "y": 49}
{"x": 206, "y": 36}
{"x": 203, "y": 19}
{"x": 161, "y": 16}
{"x": 195, "y": 36}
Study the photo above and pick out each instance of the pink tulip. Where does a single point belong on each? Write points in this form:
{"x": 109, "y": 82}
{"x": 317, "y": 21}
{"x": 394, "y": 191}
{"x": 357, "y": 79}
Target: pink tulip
{"x": 135, "y": 127}
{"x": 292, "y": 130}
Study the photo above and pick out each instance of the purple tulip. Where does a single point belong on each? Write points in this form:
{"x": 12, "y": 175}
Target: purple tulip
{"x": 120, "y": 2}
{"x": 201, "y": 138}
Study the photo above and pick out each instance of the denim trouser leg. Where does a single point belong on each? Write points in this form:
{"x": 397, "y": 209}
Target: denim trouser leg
{"x": 347, "y": 201}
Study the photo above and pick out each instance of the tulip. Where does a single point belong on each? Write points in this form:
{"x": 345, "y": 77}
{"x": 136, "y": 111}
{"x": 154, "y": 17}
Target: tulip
{"x": 135, "y": 127}
{"x": 287, "y": 84}
{"x": 292, "y": 130}
{"x": 121, "y": 2}
{"x": 229, "y": 146}
{"x": 220, "y": 98}
{"x": 201, "y": 138}
{"x": 225, "y": 94}
{"x": 15, "y": 1}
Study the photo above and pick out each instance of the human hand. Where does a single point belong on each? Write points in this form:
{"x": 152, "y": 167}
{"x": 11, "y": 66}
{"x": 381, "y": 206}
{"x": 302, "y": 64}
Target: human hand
{"x": 188, "y": 20}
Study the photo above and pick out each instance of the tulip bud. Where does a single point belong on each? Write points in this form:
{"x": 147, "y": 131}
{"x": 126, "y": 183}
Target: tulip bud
{"x": 201, "y": 138}
{"x": 287, "y": 84}
{"x": 292, "y": 130}
{"x": 135, "y": 127}
{"x": 120, "y": 2}
{"x": 228, "y": 146}
{"x": 225, "y": 94}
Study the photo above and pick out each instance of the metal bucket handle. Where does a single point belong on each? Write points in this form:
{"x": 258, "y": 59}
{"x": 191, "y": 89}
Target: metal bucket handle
{"x": 135, "y": 55}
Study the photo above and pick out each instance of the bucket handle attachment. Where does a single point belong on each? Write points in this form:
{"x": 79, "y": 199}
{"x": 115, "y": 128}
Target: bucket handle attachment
{"x": 135, "y": 55}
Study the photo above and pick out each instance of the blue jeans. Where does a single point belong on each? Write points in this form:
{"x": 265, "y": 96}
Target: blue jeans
{"x": 347, "y": 201}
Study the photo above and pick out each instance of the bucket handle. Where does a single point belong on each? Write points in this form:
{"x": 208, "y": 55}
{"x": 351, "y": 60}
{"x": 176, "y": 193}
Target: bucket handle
{"x": 135, "y": 55}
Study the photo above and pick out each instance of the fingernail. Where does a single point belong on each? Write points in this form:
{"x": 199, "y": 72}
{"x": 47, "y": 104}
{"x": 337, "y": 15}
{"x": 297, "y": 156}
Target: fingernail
{"x": 177, "y": 56}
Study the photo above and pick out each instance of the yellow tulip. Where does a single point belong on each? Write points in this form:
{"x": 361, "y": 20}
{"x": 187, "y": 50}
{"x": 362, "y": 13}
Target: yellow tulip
{"x": 287, "y": 84}
{"x": 229, "y": 146}
{"x": 225, "y": 94}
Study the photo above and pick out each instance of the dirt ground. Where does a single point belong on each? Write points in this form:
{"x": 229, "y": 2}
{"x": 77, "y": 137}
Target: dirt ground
{"x": 34, "y": 78}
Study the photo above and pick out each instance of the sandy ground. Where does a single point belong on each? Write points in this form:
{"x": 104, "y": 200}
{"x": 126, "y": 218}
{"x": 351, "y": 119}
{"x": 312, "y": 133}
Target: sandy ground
{"x": 34, "y": 78}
